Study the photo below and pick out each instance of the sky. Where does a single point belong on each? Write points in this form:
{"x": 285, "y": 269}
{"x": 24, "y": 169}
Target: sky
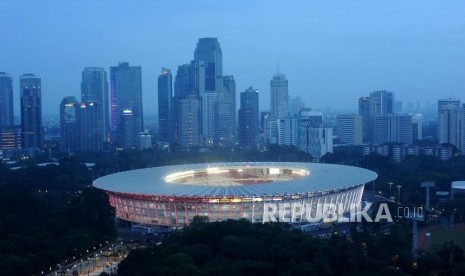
{"x": 331, "y": 52}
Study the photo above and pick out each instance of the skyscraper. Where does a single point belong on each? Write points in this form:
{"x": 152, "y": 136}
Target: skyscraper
{"x": 349, "y": 128}
{"x": 209, "y": 51}
{"x": 94, "y": 88}
{"x": 379, "y": 103}
{"x": 188, "y": 121}
{"x": 249, "y": 118}
{"x": 449, "y": 121}
{"x": 128, "y": 137}
{"x": 393, "y": 128}
{"x": 364, "y": 111}
{"x": 417, "y": 127}
{"x": 279, "y": 96}
{"x": 316, "y": 141}
{"x": 126, "y": 94}
{"x": 90, "y": 132}
{"x": 227, "y": 112}
{"x": 6, "y": 100}
{"x": 207, "y": 81}
{"x": 69, "y": 125}
{"x": 165, "y": 110}
{"x": 287, "y": 131}
{"x": 182, "y": 84}
{"x": 31, "y": 111}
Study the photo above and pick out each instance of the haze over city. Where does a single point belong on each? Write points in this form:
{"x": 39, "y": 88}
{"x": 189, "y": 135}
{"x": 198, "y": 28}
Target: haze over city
{"x": 331, "y": 53}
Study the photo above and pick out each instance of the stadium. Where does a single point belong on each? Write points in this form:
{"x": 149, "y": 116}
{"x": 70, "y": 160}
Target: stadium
{"x": 172, "y": 196}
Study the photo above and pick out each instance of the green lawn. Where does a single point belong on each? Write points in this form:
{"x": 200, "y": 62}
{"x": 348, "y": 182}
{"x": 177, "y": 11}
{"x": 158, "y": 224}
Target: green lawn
{"x": 439, "y": 237}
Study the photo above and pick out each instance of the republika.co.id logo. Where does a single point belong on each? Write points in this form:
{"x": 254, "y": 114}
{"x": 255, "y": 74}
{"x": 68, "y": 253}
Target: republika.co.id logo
{"x": 331, "y": 212}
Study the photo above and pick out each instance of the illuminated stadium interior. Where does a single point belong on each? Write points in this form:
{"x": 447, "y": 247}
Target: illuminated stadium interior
{"x": 235, "y": 176}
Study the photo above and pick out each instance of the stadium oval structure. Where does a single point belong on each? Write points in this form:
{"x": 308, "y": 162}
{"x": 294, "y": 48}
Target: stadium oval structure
{"x": 257, "y": 191}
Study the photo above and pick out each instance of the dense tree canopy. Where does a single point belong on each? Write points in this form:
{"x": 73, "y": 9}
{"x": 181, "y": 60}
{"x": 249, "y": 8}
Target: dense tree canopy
{"x": 47, "y": 216}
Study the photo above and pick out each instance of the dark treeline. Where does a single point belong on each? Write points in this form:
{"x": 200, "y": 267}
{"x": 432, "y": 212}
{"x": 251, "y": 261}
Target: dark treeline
{"x": 243, "y": 248}
{"x": 48, "y": 216}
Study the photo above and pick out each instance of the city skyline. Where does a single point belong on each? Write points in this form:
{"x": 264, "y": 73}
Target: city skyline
{"x": 330, "y": 56}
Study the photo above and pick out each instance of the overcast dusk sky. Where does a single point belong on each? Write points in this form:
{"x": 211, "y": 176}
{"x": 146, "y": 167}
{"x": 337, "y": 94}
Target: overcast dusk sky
{"x": 330, "y": 51}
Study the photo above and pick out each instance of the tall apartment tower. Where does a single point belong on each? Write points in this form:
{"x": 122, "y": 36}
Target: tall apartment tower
{"x": 379, "y": 103}
{"x": 126, "y": 94}
{"x": 279, "y": 96}
{"x": 94, "y": 88}
{"x": 188, "y": 121}
{"x": 449, "y": 113}
{"x": 249, "y": 118}
{"x": 31, "y": 111}
{"x": 364, "y": 111}
{"x": 393, "y": 128}
{"x": 207, "y": 81}
{"x": 227, "y": 112}
{"x": 349, "y": 128}
{"x": 181, "y": 90}
{"x": 165, "y": 110}
{"x": 90, "y": 132}
{"x": 69, "y": 125}
{"x": 6, "y": 100}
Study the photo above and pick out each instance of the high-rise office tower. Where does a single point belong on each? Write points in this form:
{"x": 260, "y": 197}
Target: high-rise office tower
{"x": 188, "y": 121}
{"x": 349, "y": 128}
{"x": 314, "y": 138}
{"x": 31, "y": 111}
{"x": 417, "y": 127}
{"x": 207, "y": 81}
{"x": 310, "y": 118}
{"x": 10, "y": 139}
{"x": 94, "y": 88}
{"x": 127, "y": 130}
{"x": 264, "y": 116}
{"x": 296, "y": 106}
{"x": 249, "y": 118}
{"x": 182, "y": 81}
{"x": 449, "y": 113}
{"x": 197, "y": 78}
{"x": 279, "y": 96}
{"x": 6, "y": 100}
{"x": 182, "y": 84}
{"x": 165, "y": 110}
{"x": 69, "y": 125}
{"x": 209, "y": 51}
{"x": 316, "y": 141}
{"x": 126, "y": 94}
{"x": 381, "y": 103}
{"x": 90, "y": 131}
{"x": 287, "y": 131}
{"x": 364, "y": 111}
{"x": 393, "y": 128}
{"x": 227, "y": 112}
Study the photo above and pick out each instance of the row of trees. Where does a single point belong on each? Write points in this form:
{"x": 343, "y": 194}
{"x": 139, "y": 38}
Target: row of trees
{"x": 243, "y": 248}
{"x": 48, "y": 217}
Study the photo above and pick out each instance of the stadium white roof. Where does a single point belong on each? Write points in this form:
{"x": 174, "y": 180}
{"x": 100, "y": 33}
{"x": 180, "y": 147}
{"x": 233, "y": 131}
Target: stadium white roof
{"x": 150, "y": 181}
